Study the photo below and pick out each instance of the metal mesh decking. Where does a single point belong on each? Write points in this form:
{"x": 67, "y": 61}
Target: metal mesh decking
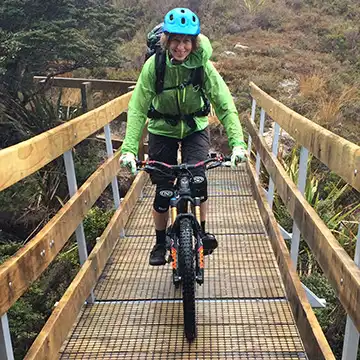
{"x": 242, "y": 312}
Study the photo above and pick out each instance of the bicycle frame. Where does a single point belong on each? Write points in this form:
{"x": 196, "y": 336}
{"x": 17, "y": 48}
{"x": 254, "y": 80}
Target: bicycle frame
{"x": 185, "y": 226}
{"x": 179, "y": 208}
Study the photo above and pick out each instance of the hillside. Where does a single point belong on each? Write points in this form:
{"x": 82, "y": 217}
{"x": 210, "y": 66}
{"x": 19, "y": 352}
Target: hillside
{"x": 303, "y": 52}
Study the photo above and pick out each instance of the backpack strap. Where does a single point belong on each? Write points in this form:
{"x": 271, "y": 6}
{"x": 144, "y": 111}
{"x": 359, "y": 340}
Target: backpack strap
{"x": 196, "y": 79}
{"x": 160, "y": 67}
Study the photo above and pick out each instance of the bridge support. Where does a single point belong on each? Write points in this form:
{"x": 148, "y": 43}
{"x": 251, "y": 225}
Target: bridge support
{"x": 351, "y": 340}
{"x": 253, "y": 112}
{"x": 295, "y": 241}
{"x": 275, "y": 148}
{"x": 79, "y": 232}
{"x": 6, "y": 350}
{"x": 114, "y": 182}
{"x": 261, "y": 133}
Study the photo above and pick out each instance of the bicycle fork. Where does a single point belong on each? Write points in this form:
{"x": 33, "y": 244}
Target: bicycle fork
{"x": 174, "y": 245}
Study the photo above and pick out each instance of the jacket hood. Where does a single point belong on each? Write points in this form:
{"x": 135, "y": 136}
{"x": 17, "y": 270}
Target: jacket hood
{"x": 199, "y": 57}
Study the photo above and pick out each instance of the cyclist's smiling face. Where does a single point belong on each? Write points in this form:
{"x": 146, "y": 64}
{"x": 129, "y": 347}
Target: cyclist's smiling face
{"x": 180, "y": 46}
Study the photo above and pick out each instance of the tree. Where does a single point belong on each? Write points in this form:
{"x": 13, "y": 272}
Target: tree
{"x": 56, "y": 36}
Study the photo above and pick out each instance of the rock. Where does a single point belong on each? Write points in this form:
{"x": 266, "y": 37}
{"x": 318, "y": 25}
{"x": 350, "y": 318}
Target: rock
{"x": 286, "y": 142}
{"x": 239, "y": 46}
{"x": 290, "y": 86}
{"x": 229, "y": 53}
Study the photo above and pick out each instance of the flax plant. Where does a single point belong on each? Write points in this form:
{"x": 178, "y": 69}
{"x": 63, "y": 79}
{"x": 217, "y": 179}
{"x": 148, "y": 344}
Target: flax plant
{"x": 328, "y": 206}
{"x": 254, "y": 5}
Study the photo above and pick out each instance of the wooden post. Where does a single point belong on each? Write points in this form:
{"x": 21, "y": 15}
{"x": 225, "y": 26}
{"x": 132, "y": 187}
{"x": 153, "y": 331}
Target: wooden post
{"x": 87, "y": 101}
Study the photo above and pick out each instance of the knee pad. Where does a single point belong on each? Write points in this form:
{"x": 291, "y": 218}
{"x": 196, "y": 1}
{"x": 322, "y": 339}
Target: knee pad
{"x": 163, "y": 194}
{"x": 199, "y": 186}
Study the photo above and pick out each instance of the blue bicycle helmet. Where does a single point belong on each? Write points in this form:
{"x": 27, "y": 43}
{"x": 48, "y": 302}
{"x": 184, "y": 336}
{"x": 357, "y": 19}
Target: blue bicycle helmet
{"x": 182, "y": 21}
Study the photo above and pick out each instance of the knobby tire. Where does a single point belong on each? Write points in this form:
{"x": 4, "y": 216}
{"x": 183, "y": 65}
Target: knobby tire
{"x": 186, "y": 262}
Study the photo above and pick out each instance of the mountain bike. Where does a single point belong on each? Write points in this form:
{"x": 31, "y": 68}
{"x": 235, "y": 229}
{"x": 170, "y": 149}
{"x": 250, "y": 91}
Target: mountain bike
{"x": 185, "y": 232}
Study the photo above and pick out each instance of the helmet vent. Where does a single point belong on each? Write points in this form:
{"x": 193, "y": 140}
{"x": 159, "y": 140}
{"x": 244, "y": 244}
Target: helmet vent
{"x": 183, "y": 11}
{"x": 193, "y": 19}
{"x": 171, "y": 17}
{"x": 183, "y": 20}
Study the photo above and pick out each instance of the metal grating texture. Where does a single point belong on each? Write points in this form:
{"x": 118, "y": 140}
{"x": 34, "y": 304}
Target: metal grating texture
{"x": 242, "y": 267}
{"x": 241, "y": 309}
{"x": 234, "y": 329}
{"x": 226, "y": 215}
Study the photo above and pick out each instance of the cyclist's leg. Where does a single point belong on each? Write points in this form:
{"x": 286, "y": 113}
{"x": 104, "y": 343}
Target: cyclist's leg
{"x": 161, "y": 148}
{"x": 195, "y": 148}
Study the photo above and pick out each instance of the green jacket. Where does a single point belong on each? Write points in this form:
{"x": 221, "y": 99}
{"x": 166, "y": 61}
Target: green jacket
{"x": 189, "y": 100}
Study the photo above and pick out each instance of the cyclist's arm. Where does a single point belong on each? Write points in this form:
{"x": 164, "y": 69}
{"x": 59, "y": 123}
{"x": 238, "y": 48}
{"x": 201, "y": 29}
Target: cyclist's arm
{"x": 139, "y": 105}
{"x": 220, "y": 97}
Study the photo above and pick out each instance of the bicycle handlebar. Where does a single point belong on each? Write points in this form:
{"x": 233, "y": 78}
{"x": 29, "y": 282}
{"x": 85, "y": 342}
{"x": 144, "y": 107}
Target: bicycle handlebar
{"x": 152, "y": 165}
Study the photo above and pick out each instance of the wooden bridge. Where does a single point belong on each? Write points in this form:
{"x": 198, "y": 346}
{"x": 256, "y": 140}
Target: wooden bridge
{"x": 252, "y": 304}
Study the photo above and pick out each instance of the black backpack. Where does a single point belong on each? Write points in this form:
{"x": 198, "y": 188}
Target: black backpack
{"x": 196, "y": 79}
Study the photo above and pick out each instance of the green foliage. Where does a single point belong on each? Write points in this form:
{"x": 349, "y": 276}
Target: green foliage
{"x": 25, "y": 323}
{"x": 7, "y": 250}
{"x": 344, "y": 44}
{"x": 87, "y": 158}
{"x": 58, "y": 36}
{"x": 19, "y": 121}
{"x": 332, "y": 317}
{"x": 95, "y": 223}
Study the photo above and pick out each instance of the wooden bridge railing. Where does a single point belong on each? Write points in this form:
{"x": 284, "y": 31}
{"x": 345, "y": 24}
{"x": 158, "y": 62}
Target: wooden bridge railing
{"x": 340, "y": 156}
{"x": 21, "y": 160}
{"x": 22, "y": 269}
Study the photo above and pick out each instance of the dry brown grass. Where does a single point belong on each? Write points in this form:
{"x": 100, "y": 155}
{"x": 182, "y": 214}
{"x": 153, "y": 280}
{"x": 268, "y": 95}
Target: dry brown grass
{"x": 330, "y": 106}
{"x": 312, "y": 86}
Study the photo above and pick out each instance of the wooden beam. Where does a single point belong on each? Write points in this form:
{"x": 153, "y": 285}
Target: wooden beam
{"x": 22, "y": 269}
{"x": 48, "y": 343}
{"x": 315, "y": 343}
{"x": 117, "y": 142}
{"x": 338, "y": 154}
{"x": 87, "y": 100}
{"x": 337, "y": 265}
{"x": 23, "y": 159}
{"x": 96, "y": 84}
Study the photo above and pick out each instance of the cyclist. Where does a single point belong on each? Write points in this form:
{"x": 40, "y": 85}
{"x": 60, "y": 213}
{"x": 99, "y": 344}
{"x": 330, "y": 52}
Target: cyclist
{"x": 178, "y": 115}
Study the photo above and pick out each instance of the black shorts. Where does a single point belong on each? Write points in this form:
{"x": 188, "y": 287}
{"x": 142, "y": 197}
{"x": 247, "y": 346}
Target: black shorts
{"x": 194, "y": 148}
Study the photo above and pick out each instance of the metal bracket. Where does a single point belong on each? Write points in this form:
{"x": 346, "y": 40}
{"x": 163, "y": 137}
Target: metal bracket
{"x": 6, "y": 350}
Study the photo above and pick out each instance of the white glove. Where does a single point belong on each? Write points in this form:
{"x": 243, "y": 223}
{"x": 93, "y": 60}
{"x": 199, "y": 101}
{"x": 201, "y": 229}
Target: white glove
{"x": 238, "y": 156}
{"x": 128, "y": 160}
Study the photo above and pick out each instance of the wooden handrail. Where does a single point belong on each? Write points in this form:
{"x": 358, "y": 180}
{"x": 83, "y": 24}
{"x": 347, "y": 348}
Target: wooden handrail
{"x": 23, "y": 268}
{"x": 53, "y": 334}
{"x": 21, "y": 160}
{"x": 338, "y": 154}
{"x": 96, "y": 84}
{"x": 314, "y": 340}
{"x": 337, "y": 265}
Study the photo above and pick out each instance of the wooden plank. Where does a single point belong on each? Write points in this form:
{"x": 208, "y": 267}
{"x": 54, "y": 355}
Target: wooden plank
{"x": 117, "y": 142}
{"x": 338, "y": 154}
{"x": 97, "y": 84}
{"x": 315, "y": 343}
{"x": 337, "y": 265}
{"x": 49, "y": 341}
{"x": 23, "y": 159}
{"x": 19, "y": 271}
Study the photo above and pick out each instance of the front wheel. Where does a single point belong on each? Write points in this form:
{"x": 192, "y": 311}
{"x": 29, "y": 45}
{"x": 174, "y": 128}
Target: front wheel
{"x": 186, "y": 262}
